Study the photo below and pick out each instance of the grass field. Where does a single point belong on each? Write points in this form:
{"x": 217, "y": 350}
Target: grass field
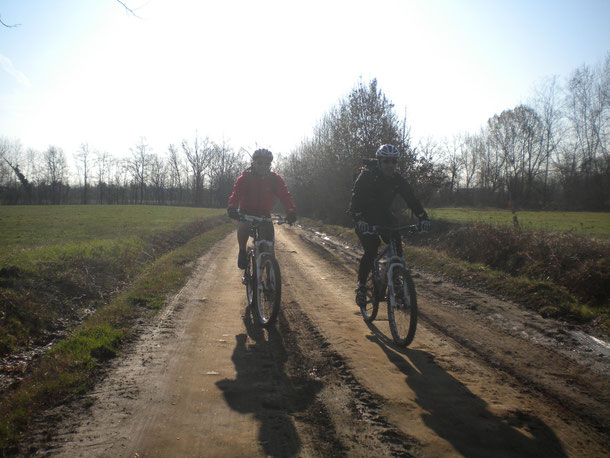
{"x": 41, "y": 227}
{"x": 592, "y": 224}
{"x": 58, "y": 260}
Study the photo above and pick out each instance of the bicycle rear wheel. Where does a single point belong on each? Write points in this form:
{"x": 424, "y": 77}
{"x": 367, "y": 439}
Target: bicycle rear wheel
{"x": 402, "y": 306}
{"x": 269, "y": 291}
{"x": 250, "y": 278}
{"x": 369, "y": 312}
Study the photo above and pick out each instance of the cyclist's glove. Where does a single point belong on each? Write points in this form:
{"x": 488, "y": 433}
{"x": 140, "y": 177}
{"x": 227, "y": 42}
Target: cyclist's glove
{"x": 233, "y": 213}
{"x": 424, "y": 225}
{"x": 362, "y": 226}
{"x": 291, "y": 218}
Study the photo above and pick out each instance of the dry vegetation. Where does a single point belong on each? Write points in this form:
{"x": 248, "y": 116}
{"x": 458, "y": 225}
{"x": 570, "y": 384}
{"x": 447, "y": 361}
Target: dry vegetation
{"x": 556, "y": 274}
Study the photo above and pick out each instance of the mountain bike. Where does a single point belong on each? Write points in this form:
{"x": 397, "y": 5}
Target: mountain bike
{"x": 390, "y": 280}
{"x": 262, "y": 276}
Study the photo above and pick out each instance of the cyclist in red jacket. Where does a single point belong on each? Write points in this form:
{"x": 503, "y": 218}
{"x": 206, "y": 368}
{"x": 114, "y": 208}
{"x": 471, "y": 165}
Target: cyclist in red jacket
{"x": 254, "y": 193}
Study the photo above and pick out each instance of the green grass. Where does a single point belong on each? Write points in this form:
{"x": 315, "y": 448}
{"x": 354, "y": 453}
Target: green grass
{"x": 57, "y": 261}
{"x": 71, "y": 366}
{"x": 49, "y": 232}
{"x": 593, "y": 224}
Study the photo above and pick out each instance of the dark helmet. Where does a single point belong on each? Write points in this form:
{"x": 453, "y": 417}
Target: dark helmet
{"x": 387, "y": 151}
{"x": 262, "y": 153}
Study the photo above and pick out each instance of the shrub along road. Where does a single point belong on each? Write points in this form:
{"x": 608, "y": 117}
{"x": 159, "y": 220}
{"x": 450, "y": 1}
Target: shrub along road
{"x": 482, "y": 378}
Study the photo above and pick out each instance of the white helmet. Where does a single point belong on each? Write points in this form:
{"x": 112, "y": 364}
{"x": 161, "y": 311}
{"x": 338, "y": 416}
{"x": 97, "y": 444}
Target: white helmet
{"x": 387, "y": 151}
{"x": 262, "y": 153}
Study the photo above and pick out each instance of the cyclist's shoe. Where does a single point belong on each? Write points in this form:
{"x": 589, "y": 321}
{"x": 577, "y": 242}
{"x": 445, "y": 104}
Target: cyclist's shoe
{"x": 361, "y": 296}
{"x": 242, "y": 259}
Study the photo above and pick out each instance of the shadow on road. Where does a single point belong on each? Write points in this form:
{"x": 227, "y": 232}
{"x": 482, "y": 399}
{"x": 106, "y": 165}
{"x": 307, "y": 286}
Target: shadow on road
{"x": 263, "y": 388}
{"x": 462, "y": 418}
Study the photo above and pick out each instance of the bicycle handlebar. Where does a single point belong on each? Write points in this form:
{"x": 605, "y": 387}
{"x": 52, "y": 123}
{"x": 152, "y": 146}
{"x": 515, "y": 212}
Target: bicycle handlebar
{"x": 262, "y": 219}
{"x": 374, "y": 230}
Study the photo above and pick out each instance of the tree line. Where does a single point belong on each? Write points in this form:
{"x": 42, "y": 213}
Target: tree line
{"x": 194, "y": 173}
{"x": 551, "y": 153}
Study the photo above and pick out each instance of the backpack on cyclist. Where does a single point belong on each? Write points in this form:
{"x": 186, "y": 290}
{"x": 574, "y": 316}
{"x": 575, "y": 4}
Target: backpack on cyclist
{"x": 366, "y": 165}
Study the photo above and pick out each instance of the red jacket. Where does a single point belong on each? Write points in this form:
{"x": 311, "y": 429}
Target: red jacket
{"x": 256, "y": 196}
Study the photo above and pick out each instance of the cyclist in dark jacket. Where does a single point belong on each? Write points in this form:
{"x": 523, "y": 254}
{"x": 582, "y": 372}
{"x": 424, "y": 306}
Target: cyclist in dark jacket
{"x": 372, "y": 196}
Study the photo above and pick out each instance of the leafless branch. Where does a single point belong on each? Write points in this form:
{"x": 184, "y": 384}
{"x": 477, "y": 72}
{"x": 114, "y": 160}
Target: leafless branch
{"x": 129, "y": 10}
{"x": 8, "y": 25}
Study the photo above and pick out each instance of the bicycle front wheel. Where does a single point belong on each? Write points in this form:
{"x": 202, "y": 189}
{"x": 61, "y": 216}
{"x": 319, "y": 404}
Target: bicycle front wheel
{"x": 402, "y": 306}
{"x": 269, "y": 291}
{"x": 369, "y": 311}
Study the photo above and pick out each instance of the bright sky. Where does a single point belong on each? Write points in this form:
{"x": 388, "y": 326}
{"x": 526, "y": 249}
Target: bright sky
{"x": 263, "y": 73}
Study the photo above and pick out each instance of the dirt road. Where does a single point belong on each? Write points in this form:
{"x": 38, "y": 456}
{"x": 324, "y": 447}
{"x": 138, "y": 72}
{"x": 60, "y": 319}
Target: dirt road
{"x": 482, "y": 378}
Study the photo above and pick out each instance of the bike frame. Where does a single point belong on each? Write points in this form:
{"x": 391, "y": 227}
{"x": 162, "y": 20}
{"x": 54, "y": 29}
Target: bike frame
{"x": 261, "y": 246}
{"x": 402, "y": 303}
{"x": 390, "y": 253}
{"x": 392, "y": 260}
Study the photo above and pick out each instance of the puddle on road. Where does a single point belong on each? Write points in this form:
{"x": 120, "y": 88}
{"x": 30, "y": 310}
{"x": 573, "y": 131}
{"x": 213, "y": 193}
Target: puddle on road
{"x": 591, "y": 343}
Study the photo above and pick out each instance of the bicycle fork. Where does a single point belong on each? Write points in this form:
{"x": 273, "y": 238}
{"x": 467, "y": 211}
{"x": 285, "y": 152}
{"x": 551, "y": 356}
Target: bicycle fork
{"x": 394, "y": 262}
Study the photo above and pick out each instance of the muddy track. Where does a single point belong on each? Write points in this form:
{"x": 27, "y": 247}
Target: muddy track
{"x": 482, "y": 378}
{"x": 540, "y": 354}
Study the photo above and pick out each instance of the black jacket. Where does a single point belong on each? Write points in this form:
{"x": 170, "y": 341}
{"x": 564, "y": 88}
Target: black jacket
{"x": 373, "y": 194}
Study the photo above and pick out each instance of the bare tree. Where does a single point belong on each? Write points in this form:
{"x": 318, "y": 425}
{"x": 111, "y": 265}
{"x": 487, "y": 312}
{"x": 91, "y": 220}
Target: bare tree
{"x": 82, "y": 158}
{"x": 13, "y": 181}
{"x": 121, "y": 175}
{"x": 225, "y": 166}
{"x": 103, "y": 164}
{"x": 452, "y": 152}
{"x": 490, "y": 164}
{"x": 198, "y": 155}
{"x": 139, "y": 164}
{"x": 158, "y": 178}
{"x": 584, "y": 169}
{"x": 547, "y": 104}
{"x": 56, "y": 171}
{"x": 176, "y": 174}
{"x": 9, "y": 159}
{"x": 473, "y": 149}
{"x": 588, "y": 105}
{"x": 517, "y": 134}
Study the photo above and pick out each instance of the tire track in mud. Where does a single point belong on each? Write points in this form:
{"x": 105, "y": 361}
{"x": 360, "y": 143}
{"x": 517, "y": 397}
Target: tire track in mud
{"x": 565, "y": 377}
{"x": 567, "y": 384}
{"x": 360, "y": 409}
{"x": 558, "y": 379}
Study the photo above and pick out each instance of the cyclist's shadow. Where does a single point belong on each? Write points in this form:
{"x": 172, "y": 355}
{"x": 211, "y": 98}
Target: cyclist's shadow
{"x": 263, "y": 388}
{"x": 461, "y": 417}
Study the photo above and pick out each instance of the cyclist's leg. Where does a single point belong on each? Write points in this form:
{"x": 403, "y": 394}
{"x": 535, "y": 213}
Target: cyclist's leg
{"x": 370, "y": 244}
{"x": 243, "y": 233}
